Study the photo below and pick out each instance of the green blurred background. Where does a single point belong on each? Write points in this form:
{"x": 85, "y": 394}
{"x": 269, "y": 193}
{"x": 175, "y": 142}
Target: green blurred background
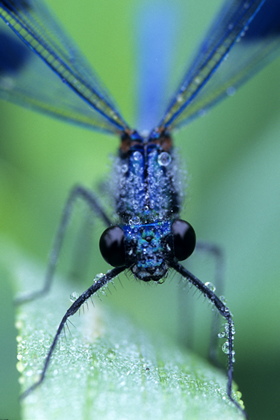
{"x": 233, "y": 199}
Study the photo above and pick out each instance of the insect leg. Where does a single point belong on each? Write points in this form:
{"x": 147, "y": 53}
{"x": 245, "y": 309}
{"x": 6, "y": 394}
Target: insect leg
{"x": 217, "y": 253}
{"x": 78, "y": 192}
{"x": 225, "y": 313}
{"x": 71, "y": 311}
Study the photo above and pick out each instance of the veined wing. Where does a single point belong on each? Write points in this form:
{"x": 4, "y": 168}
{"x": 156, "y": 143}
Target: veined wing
{"x": 242, "y": 39}
{"x": 66, "y": 87}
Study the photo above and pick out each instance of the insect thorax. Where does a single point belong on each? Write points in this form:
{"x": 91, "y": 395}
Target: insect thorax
{"x": 146, "y": 184}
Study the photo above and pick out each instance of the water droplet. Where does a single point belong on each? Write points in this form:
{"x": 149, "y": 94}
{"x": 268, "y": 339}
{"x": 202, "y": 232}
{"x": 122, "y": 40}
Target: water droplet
{"x": 29, "y": 372}
{"x": 124, "y": 168}
{"x": 137, "y": 156}
{"x": 161, "y": 281}
{"x": 164, "y": 159}
{"x": 231, "y": 91}
{"x": 97, "y": 277}
{"x": 21, "y": 380}
{"x": 103, "y": 291}
{"x": 134, "y": 221}
{"x": 18, "y": 324}
{"x": 74, "y": 296}
{"x": 222, "y": 334}
{"x": 210, "y": 286}
{"x": 179, "y": 98}
{"x": 111, "y": 354}
{"x": 238, "y": 395}
{"x": 222, "y": 299}
{"x": 202, "y": 112}
{"x": 225, "y": 347}
{"x": 20, "y": 367}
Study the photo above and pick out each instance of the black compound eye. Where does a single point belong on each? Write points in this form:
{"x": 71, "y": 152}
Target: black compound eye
{"x": 183, "y": 239}
{"x": 111, "y": 245}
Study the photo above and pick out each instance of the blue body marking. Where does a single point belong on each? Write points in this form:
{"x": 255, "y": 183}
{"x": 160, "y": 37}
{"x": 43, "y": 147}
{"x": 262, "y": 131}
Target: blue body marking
{"x": 147, "y": 200}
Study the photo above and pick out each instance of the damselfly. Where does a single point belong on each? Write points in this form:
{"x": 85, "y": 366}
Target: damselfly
{"x": 149, "y": 238}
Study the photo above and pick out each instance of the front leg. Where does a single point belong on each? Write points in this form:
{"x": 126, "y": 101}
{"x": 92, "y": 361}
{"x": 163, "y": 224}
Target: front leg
{"x": 229, "y": 327}
{"x": 106, "y": 278}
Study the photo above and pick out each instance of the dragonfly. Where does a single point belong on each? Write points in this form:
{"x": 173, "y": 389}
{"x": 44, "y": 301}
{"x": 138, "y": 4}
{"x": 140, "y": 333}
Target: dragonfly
{"x": 149, "y": 238}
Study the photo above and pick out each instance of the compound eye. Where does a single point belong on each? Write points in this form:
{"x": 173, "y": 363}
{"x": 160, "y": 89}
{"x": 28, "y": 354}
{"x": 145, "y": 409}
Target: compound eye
{"x": 183, "y": 239}
{"x": 111, "y": 245}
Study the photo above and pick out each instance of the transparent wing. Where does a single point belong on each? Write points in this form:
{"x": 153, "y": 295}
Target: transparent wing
{"x": 66, "y": 87}
{"x": 243, "y": 37}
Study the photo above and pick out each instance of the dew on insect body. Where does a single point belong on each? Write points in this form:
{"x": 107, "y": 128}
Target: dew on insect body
{"x": 223, "y": 299}
{"x": 98, "y": 277}
{"x": 137, "y": 156}
{"x": 134, "y": 221}
{"x": 210, "y": 286}
{"x": 124, "y": 168}
{"x": 225, "y": 347}
{"x": 164, "y": 159}
{"x": 74, "y": 296}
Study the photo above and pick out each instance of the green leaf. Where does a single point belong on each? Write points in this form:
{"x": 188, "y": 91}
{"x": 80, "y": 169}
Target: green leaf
{"x": 105, "y": 367}
{"x": 9, "y": 386}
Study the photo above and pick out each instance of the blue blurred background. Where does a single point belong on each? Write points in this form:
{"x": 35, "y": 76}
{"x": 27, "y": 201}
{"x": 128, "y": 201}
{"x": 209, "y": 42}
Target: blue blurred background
{"x": 232, "y": 156}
